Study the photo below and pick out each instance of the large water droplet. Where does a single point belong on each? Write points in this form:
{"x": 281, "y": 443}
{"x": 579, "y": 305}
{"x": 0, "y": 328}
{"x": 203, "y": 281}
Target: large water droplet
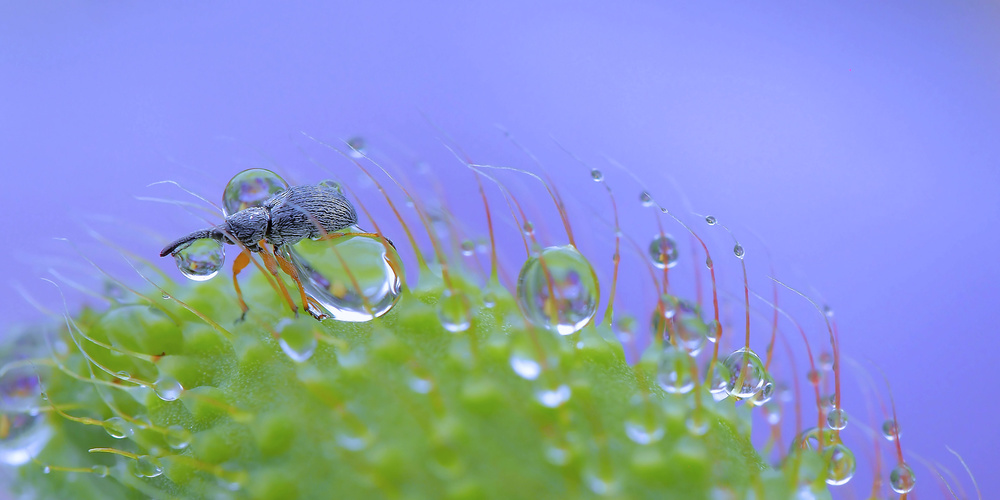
{"x": 553, "y": 397}
{"x": 841, "y": 464}
{"x": 148, "y": 466}
{"x": 718, "y": 381}
{"x": 837, "y": 419}
{"x": 558, "y": 290}
{"x": 250, "y": 188}
{"x": 24, "y": 430}
{"x": 177, "y": 437}
{"x": 902, "y": 479}
{"x": 663, "y": 251}
{"x": 890, "y": 430}
{"x": 201, "y": 259}
{"x": 674, "y": 371}
{"x": 168, "y": 388}
{"x": 297, "y": 339}
{"x": 353, "y": 278}
{"x": 455, "y": 311}
{"x": 746, "y": 373}
{"x": 118, "y": 427}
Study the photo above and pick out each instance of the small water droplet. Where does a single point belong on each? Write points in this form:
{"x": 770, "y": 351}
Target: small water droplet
{"x": 297, "y": 339}
{"x": 719, "y": 381}
{"x": 525, "y": 367}
{"x": 118, "y": 428}
{"x": 168, "y": 388}
{"x": 825, "y": 361}
{"x": 828, "y": 311}
{"x": 419, "y": 385}
{"x": 553, "y": 397}
{"x": 597, "y": 175}
{"x": 711, "y": 220}
{"x": 123, "y": 375}
{"x": 601, "y": 482}
{"x": 772, "y": 412}
{"x": 890, "y": 430}
{"x": 689, "y": 331}
{"x": 663, "y": 251}
{"x": 46, "y": 470}
{"x": 148, "y": 466}
{"x": 837, "y": 419}
{"x": 358, "y": 146}
{"x": 165, "y": 296}
{"x": 332, "y": 184}
{"x": 738, "y": 251}
{"x": 766, "y": 392}
{"x": 454, "y": 311}
{"x": 697, "y": 422}
{"x": 100, "y": 470}
{"x": 250, "y": 188}
{"x": 842, "y": 464}
{"x": 177, "y": 437}
{"x": 646, "y": 199}
{"x": 529, "y": 228}
{"x": 489, "y": 299}
{"x": 746, "y": 373}
{"x": 814, "y": 376}
{"x": 468, "y": 248}
{"x": 353, "y": 278}
{"x": 902, "y": 479}
{"x": 558, "y": 290}
{"x": 674, "y": 371}
{"x": 200, "y": 260}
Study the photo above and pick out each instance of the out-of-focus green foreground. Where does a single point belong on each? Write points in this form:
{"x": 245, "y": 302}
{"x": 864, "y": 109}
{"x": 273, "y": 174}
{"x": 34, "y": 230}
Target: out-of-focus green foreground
{"x": 397, "y": 407}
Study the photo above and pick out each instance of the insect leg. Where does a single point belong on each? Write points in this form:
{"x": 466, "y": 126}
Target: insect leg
{"x": 272, "y": 267}
{"x": 308, "y": 304}
{"x": 241, "y": 262}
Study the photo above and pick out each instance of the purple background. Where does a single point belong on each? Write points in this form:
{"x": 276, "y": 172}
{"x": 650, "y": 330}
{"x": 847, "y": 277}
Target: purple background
{"x": 861, "y": 143}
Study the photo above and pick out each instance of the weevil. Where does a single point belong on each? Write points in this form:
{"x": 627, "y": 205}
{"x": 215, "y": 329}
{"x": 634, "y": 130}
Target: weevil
{"x": 299, "y": 212}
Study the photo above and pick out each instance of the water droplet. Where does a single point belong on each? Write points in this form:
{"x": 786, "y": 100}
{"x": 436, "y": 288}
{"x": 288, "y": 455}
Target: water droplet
{"x": 46, "y": 470}
{"x": 123, "y": 375}
{"x": 358, "y": 146}
{"x": 814, "y": 376}
{"x": 489, "y": 299}
{"x": 419, "y": 385}
{"x": 557, "y": 454}
{"x": 825, "y": 361}
{"x": 711, "y": 220}
{"x": 689, "y": 329}
{"x": 765, "y": 393}
{"x": 698, "y": 422}
{"x": 454, "y": 311}
{"x": 625, "y": 328}
{"x": 558, "y": 290}
{"x": 118, "y": 428}
{"x": 601, "y": 482}
{"x": 147, "y": 466}
{"x": 297, "y": 338}
{"x": 828, "y": 311}
{"x": 553, "y": 397}
{"x": 644, "y": 421}
{"x": 332, "y": 184}
{"x": 719, "y": 381}
{"x": 902, "y": 479}
{"x": 810, "y": 439}
{"x": 890, "y": 430}
{"x": 468, "y": 248}
{"x": 772, "y": 412}
{"x": 674, "y": 371}
{"x": 837, "y": 419}
{"x": 250, "y": 188}
{"x": 663, "y": 251}
{"x": 841, "y": 464}
{"x": 746, "y": 373}
{"x": 168, "y": 388}
{"x": 100, "y": 470}
{"x": 646, "y": 199}
{"x": 597, "y": 175}
{"x": 524, "y": 366}
{"x": 738, "y": 251}
{"x": 353, "y": 278}
{"x": 200, "y": 260}
{"x": 529, "y": 228}
{"x": 177, "y": 437}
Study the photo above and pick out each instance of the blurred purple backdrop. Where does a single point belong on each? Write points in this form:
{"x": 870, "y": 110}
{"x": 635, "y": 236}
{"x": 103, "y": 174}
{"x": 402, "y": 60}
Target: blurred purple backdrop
{"x": 861, "y": 143}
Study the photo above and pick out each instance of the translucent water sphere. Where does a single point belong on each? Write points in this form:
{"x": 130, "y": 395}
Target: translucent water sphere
{"x": 297, "y": 339}
{"x": 746, "y": 373}
{"x": 167, "y": 388}
{"x": 201, "y": 259}
{"x": 890, "y": 430}
{"x": 23, "y": 430}
{"x": 902, "y": 479}
{"x": 690, "y": 331}
{"x": 455, "y": 311}
{"x": 837, "y": 419}
{"x": 842, "y": 465}
{"x": 597, "y": 175}
{"x": 674, "y": 373}
{"x": 663, "y": 251}
{"x": 352, "y": 278}
{"x": 718, "y": 381}
{"x": 558, "y": 290}
{"x": 766, "y": 392}
{"x": 250, "y": 188}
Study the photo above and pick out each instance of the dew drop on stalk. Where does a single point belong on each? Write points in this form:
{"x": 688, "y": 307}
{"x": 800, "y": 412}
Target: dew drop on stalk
{"x": 738, "y": 251}
{"x": 674, "y": 371}
{"x": 177, "y": 437}
{"x": 454, "y": 311}
{"x": 902, "y": 479}
{"x": 558, "y": 290}
{"x": 297, "y": 339}
{"x": 250, "y": 188}
{"x": 597, "y": 175}
{"x": 167, "y": 388}
{"x": 99, "y": 470}
{"x": 200, "y": 259}
{"x": 148, "y": 466}
{"x": 353, "y": 278}
{"x": 690, "y": 330}
{"x": 837, "y": 419}
{"x": 718, "y": 382}
{"x": 766, "y": 392}
{"x": 118, "y": 427}
{"x": 890, "y": 430}
{"x": 842, "y": 464}
{"x": 711, "y": 220}
{"x": 663, "y": 251}
{"x": 468, "y": 248}
{"x": 746, "y": 373}
{"x": 646, "y": 199}
{"x": 825, "y": 361}
{"x": 358, "y": 147}
{"x": 489, "y": 299}
{"x": 644, "y": 421}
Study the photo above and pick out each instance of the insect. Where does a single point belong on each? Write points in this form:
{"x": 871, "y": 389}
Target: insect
{"x": 299, "y": 212}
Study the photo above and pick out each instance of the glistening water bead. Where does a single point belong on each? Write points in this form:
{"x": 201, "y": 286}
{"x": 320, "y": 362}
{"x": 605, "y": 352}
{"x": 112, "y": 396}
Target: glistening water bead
{"x": 557, "y": 290}
{"x": 902, "y": 479}
{"x": 200, "y": 260}
{"x": 663, "y": 251}
{"x": 250, "y": 188}
{"x": 746, "y": 373}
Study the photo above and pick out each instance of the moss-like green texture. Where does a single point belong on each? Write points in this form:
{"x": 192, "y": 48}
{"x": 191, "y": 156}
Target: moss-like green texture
{"x": 397, "y": 407}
